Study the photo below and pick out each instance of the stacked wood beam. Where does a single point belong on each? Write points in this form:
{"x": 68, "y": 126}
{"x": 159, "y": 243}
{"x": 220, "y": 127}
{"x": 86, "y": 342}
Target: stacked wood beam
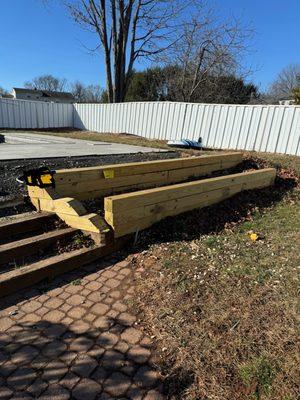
{"x": 135, "y": 196}
{"x": 149, "y": 191}
{"x": 131, "y": 212}
{"x": 95, "y": 182}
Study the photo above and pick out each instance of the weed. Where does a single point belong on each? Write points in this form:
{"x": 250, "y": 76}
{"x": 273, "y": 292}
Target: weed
{"x": 258, "y": 374}
{"x": 211, "y": 241}
{"x": 76, "y": 282}
{"x": 168, "y": 263}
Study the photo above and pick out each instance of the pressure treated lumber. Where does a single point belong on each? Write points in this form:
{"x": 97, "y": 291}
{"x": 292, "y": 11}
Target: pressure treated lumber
{"x": 72, "y": 212}
{"x": 90, "y": 222}
{"x": 134, "y": 211}
{"x": 65, "y": 205}
{"x": 21, "y": 278}
{"x": 103, "y": 187}
{"x": 89, "y": 183}
{"x": 23, "y": 224}
{"x": 75, "y": 175}
{"x": 25, "y": 247}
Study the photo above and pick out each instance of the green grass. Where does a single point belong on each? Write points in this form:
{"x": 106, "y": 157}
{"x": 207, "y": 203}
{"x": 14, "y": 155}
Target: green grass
{"x": 224, "y": 308}
{"x": 258, "y": 373}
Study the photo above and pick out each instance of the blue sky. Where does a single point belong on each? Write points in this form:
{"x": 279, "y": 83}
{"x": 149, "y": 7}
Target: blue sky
{"x": 37, "y": 40}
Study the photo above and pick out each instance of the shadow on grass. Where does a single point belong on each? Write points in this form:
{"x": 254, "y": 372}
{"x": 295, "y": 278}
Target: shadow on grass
{"x": 186, "y": 226}
{"x": 213, "y": 219}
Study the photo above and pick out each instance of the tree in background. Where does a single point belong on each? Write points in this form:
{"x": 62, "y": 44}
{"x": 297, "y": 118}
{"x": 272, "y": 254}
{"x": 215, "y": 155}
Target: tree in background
{"x": 86, "y": 94}
{"x": 47, "y": 82}
{"x": 159, "y": 84}
{"x": 81, "y": 92}
{"x": 296, "y": 94}
{"x": 3, "y": 91}
{"x": 128, "y": 30}
{"x": 206, "y": 49}
{"x": 285, "y": 83}
{"x": 226, "y": 89}
{"x": 148, "y": 85}
{"x": 184, "y": 34}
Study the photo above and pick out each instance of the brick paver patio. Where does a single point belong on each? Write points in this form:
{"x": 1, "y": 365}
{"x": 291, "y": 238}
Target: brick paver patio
{"x": 76, "y": 339}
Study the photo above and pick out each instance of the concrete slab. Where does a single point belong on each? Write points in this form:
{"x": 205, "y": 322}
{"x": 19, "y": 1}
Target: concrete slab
{"x": 27, "y": 145}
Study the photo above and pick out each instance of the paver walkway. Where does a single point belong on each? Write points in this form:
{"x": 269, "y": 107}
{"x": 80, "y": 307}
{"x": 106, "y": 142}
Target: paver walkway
{"x": 75, "y": 339}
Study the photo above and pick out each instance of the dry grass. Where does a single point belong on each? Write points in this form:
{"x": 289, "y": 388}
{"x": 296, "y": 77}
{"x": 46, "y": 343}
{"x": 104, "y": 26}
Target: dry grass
{"x": 291, "y": 162}
{"x": 122, "y": 138}
{"x": 105, "y": 137}
{"x": 223, "y": 308}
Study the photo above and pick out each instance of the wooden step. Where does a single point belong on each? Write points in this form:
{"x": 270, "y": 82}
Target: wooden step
{"x": 26, "y": 247}
{"x": 21, "y": 278}
{"x": 24, "y": 224}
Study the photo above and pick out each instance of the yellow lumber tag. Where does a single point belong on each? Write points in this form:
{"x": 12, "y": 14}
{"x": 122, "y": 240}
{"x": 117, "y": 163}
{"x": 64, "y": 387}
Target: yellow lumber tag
{"x": 109, "y": 173}
{"x": 47, "y": 178}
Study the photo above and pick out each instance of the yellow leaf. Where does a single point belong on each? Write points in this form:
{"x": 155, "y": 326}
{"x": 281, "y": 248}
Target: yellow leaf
{"x": 253, "y": 237}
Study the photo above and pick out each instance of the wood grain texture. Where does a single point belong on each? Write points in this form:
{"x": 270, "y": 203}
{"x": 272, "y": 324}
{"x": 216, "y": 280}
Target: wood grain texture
{"x": 128, "y": 169}
{"x": 92, "y": 182}
{"x": 90, "y": 222}
{"x": 134, "y": 211}
{"x": 19, "y": 279}
{"x": 26, "y": 247}
{"x": 23, "y": 224}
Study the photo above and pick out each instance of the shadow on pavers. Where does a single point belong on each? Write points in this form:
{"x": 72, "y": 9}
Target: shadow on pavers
{"x": 71, "y": 277}
{"x": 53, "y": 360}
{"x": 187, "y": 226}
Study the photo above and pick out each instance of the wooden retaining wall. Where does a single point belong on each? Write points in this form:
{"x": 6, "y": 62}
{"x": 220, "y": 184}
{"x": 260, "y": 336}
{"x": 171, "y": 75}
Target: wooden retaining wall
{"x": 138, "y": 208}
{"x": 130, "y": 212}
{"x": 95, "y": 182}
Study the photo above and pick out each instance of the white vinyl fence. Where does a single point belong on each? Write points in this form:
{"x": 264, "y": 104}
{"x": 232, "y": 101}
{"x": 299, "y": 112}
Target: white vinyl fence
{"x": 273, "y": 129}
{"x": 26, "y": 114}
{"x": 262, "y": 128}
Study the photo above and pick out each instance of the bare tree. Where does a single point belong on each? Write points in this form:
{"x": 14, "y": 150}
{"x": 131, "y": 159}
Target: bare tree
{"x": 78, "y": 89}
{"x": 286, "y": 82}
{"x": 3, "y": 91}
{"x": 128, "y": 30}
{"x": 86, "y": 94}
{"x": 47, "y": 82}
{"x": 206, "y": 48}
{"x": 94, "y": 94}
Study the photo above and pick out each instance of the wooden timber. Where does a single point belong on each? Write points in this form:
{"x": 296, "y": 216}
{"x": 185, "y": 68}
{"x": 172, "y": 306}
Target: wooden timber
{"x": 128, "y": 169}
{"x": 21, "y": 278}
{"x": 25, "y": 247}
{"x": 65, "y": 205}
{"x": 130, "y": 212}
{"x": 89, "y": 183}
{"x": 72, "y": 212}
{"x": 24, "y": 223}
{"x": 72, "y": 185}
